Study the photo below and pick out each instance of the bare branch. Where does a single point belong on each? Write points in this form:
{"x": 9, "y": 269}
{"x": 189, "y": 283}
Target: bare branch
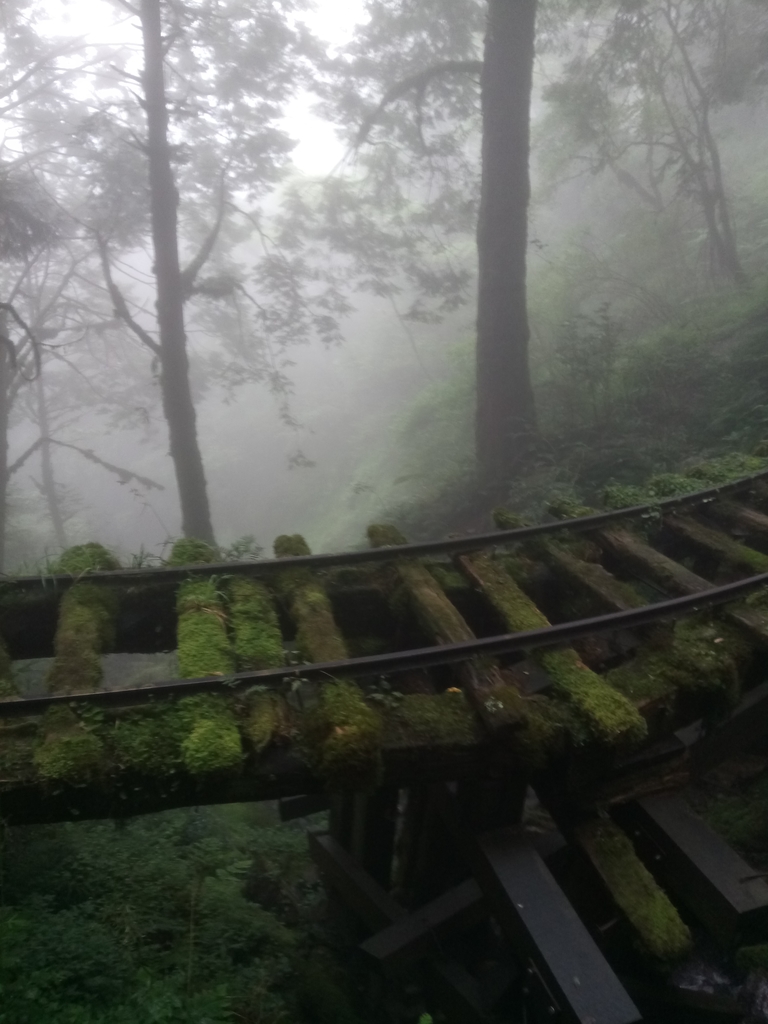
{"x": 193, "y": 268}
{"x": 419, "y": 81}
{"x": 124, "y": 475}
{"x": 23, "y": 458}
{"x": 118, "y": 301}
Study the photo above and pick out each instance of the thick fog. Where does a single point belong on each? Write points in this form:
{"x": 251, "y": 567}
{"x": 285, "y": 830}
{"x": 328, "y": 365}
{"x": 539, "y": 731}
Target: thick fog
{"x": 376, "y": 416}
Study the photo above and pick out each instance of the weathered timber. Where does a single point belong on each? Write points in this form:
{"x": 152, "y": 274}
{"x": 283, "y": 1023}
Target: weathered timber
{"x": 742, "y": 520}
{"x": 609, "y": 715}
{"x": 317, "y": 634}
{"x": 728, "y": 551}
{"x": 365, "y": 898}
{"x": 673, "y": 578}
{"x": 292, "y": 807}
{"x": 646, "y": 907}
{"x": 716, "y": 884}
{"x": 372, "y": 839}
{"x": 444, "y": 624}
{"x": 687, "y": 1005}
{"x": 420, "y": 934}
{"x": 746, "y": 724}
{"x": 590, "y": 578}
{"x": 361, "y": 893}
{"x": 563, "y": 962}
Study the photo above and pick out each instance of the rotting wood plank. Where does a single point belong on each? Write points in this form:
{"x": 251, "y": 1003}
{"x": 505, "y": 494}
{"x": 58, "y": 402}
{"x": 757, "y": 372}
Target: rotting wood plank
{"x": 564, "y": 962}
{"x": 444, "y": 624}
{"x": 695, "y": 863}
{"x": 718, "y": 544}
{"x": 675, "y": 579}
{"x": 742, "y": 520}
{"x": 420, "y": 933}
{"x": 590, "y": 578}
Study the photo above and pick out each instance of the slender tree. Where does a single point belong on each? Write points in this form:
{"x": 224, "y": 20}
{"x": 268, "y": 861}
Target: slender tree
{"x": 178, "y": 406}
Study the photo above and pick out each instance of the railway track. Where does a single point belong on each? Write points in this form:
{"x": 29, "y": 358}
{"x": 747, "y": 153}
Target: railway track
{"x": 421, "y": 691}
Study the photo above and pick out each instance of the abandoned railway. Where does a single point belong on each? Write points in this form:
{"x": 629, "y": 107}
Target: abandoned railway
{"x": 424, "y": 692}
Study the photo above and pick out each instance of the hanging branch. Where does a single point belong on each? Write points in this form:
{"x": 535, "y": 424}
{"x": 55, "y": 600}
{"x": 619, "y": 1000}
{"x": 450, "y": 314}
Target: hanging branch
{"x": 193, "y": 268}
{"x": 7, "y": 307}
{"x": 419, "y": 82}
{"x": 118, "y": 300}
{"x": 124, "y": 475}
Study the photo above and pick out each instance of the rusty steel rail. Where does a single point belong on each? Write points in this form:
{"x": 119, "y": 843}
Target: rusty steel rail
{"x": 452, "y": 546}
{"x": 397, "y": 661}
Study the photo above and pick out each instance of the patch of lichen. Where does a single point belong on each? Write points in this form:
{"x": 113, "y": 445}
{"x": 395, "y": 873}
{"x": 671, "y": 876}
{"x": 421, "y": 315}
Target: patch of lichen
{"x": 645, "y": 905}
{"x": 149, "y": 740}
{"x": 696, "y": 656}
{"x": 443, "y": 719}
{"x": 203, "y": 645}
{"x": 84, "y": 557}
{"x": 609, "y": 715}
{"x": 268, "y": 719}
{"x": 257, "y": 639}
{"x": 189, "y": 551}
{"x": 752, "y": 959}
{"x": 342, "y": 738}
{"x": 317, "y": 635}
{"x": 212, "y": 743}
{"x": 85, "y": 629}
{"x": 69, "y": 751}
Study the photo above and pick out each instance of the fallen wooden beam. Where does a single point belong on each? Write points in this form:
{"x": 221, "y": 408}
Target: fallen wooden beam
{"x": 566, "y": 972}
{"x": 698, "y": 866}
{"x": 419, "y": 934}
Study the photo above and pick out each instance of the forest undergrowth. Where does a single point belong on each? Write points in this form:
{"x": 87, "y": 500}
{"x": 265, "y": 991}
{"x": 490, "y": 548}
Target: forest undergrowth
{"x": 196, "y": 916}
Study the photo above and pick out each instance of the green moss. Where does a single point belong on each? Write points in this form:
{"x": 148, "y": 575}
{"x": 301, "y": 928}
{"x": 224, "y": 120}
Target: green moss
{"x": 549, "y": 726}
{"x": 446, "y": 576}
{"x": 85, "y": 557}
{"x": 85, "y": 629}
{"x": 212, "y": 743}
{"x": 258, "y": 641}
{"x": 444, "y": 719}
{"x": 342, "y": 736}
{"x": 291, "y": 546}
{"x": 506, "y": 519}
{"x": 383, "y": 535}
{"x": 728, "y": 467}
{"x": 752, "y": 959}
{"x": 317, "y": 635}
{"x": 646, "y": 906}
{"x": 203, "y": 645}
{"x": 365, "y": 646}
{"x": 608, "y": 714}
{"x": 69, "y": 751}
{"x": 188, "y": 551}
{"x": 742, "y": 819}
{"x": 567, "y": 508}
{"x": 698, "y": 656}
{"x": 268, "y": 719}
{"x": 149, "y": 740}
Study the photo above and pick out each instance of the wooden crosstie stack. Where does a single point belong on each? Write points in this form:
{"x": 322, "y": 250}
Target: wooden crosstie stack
{"x": 502, "y": 728}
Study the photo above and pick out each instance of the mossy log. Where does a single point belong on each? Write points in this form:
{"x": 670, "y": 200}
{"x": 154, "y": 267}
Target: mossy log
{"x": 591, "y": 579}
{"x": 646, "y": 907}
{"x": 257, "y": 639}
{"x": 342, "y": 734}
{"x": 411, "y": 587}
{"x": 607, "y": 714}
{"x": 730, "y": 552}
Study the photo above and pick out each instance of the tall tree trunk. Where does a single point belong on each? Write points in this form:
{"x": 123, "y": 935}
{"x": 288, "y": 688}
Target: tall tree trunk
{"x": 174, "y": 363}
{"x": 506, "y": 418}
{"x": 5, "y": 386}
{"x": 48, "y": 480}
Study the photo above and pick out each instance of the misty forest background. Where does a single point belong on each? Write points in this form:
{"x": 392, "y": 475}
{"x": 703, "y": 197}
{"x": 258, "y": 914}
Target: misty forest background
{"x": 320, "y": 171}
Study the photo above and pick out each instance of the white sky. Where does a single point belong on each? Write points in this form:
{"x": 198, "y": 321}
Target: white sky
{"x": 318, "y": 150}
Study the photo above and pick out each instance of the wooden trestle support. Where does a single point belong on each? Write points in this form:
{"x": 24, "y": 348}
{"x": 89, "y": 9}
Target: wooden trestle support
{"x": 507, "y": 818}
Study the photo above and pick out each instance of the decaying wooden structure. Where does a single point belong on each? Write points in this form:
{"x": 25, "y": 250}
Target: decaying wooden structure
{"x": 500, "y": 726}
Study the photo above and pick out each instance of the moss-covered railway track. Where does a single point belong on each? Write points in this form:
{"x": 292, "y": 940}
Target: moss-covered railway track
{"x": 421, "y": 690}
